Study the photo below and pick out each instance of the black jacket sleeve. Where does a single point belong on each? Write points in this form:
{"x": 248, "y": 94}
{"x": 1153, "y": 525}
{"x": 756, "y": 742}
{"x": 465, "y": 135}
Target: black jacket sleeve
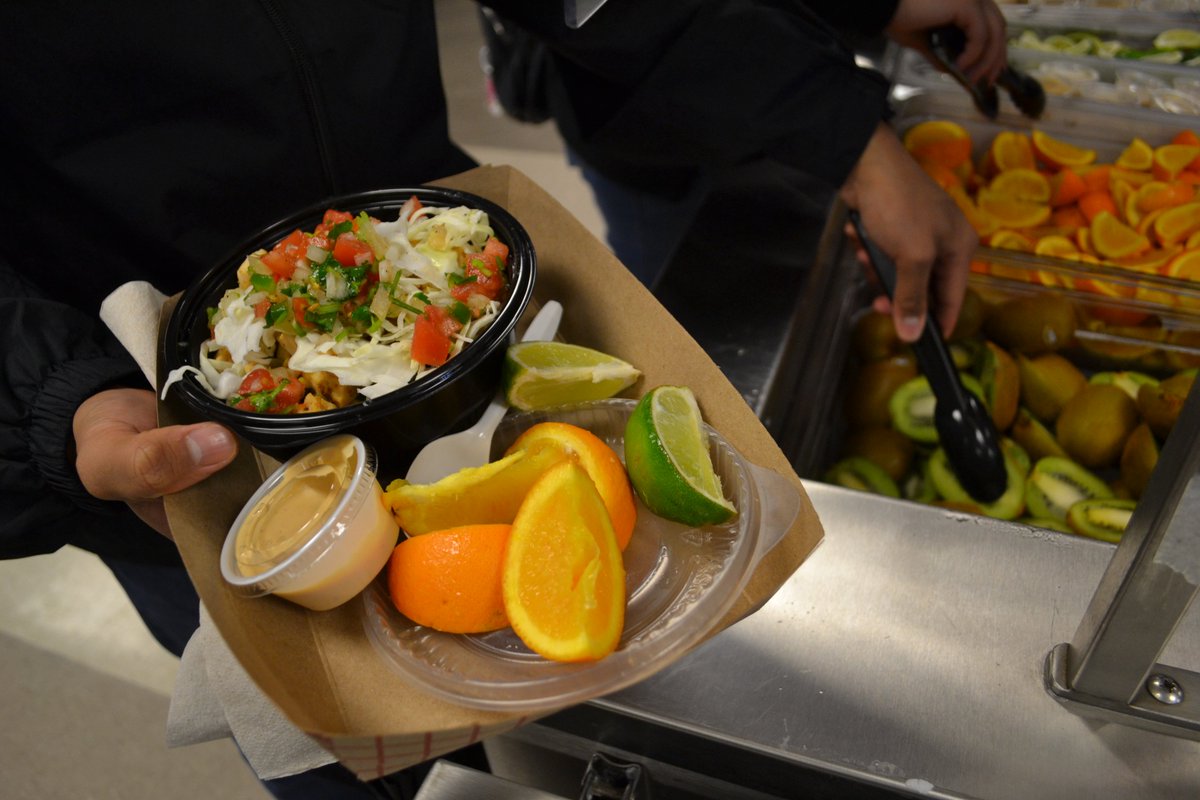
{"x": 644, "y": 89}
{"x": 54, "y": 357}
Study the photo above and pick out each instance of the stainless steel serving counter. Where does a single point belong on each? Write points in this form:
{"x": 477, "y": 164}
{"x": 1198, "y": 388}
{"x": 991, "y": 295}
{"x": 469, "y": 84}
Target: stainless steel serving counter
{"x": 907, "y": 655}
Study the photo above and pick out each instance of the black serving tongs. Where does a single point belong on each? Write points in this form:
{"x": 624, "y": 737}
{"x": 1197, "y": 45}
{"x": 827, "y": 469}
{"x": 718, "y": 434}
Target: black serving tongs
{"x": 965, "y": 428}
{"x": 947, "y": 44}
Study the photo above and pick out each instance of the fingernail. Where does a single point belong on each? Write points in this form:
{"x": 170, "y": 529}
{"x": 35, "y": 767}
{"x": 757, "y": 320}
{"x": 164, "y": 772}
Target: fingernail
{"x": 209, "y": 445}
{"x": 910, "y": 327}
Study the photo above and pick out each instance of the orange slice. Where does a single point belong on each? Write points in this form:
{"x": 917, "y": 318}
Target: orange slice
{"x": 1068, "y": 217}
{"x": 450, "y": 580}
{"x": 1066, "y": 186}
{"x": 1150, "y": 261}
{"x": 1193, "y": 241}
{"x": 942, "y": 175}
{"x": 1187, "y": 137}
{"x": 1083, "y": 239}
{"x": 563, "y": 581}
{"x": 939, "y": 141}
{"x": 1134, "y": 178}
{"x": 983, "y": 223}
{"x": 1094, "y": 203}
{"x": 1010, "y": 240}
{"x": 1012, "y": 212}
{"x": 1172, "y": 159}
{"x": 1055, "y": 246}
{"x": 1176, "y": 224}
{"x": 1138, "y": 155}
{"x": 1097, "y": 177}
{"x": 1057, "y": 153}
{"x": 1022, "y": 184}
{"x": 600, "y": 462}
{"x": 1011, "y": 150}
{"x": 1185, "y": 265}
{"x": 1114, "y": 239}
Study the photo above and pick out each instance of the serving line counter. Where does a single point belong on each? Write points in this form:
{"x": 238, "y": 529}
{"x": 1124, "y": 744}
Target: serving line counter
{"x": 908, "y": 656}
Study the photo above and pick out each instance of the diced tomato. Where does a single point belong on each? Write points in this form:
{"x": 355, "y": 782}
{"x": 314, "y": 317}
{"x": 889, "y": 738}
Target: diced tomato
{"x": 333, "y": 217}
{"x": 411, "y": 206}
{"x": 291, "y": 393}
{"x": 280, "y": 265}
{"x": 262, "y": 307}
{"x": 299, "y": 306}
{"x": 496, "y": 251}
{"x": 487, "y": 270}
{"x": 259, "y": 380}
{"x": 432, "y": 336}
{"x": 350, "y": 251}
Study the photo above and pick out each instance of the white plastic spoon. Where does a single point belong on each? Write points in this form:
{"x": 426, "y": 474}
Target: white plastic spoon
{"x": 472, "y": 447}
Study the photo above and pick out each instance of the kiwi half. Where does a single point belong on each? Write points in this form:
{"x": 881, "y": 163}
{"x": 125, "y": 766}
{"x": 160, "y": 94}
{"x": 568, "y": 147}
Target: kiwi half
{"x": 1055, "y": 484}
{"x": 862, "y": 474}
{"x": 1010, "y": 505}
{"x": 1101, "y": 518}
{"x": 912, "y": 407}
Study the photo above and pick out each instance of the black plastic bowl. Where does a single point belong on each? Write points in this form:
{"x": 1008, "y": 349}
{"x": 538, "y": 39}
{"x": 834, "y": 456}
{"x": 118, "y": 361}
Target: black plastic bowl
{"x": 400, "y": 422}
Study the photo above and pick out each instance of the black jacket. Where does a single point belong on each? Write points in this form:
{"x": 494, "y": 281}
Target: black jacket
{"x": 142, "y": 140}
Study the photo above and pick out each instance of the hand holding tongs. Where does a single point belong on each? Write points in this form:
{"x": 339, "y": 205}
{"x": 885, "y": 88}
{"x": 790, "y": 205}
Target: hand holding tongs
{"x": 947, "y": 44}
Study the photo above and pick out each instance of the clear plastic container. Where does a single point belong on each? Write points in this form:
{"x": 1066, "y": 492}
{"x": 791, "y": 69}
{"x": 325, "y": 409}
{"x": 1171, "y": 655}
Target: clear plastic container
{"x": 680, "y": 582}
{"x": 316, "y": 532}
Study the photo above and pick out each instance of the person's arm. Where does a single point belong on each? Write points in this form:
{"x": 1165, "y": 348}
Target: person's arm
{"x": 55, "y": 359}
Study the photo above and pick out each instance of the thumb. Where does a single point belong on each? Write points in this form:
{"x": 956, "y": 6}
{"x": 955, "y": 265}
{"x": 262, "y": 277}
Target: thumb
{"x": 148, "y": 464}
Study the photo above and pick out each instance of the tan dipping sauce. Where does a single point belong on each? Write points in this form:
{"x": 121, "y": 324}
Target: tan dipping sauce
{"x": 292, "y": 513}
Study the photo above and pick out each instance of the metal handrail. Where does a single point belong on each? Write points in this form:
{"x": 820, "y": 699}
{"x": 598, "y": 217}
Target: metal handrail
{"x": 1111, "y": 667}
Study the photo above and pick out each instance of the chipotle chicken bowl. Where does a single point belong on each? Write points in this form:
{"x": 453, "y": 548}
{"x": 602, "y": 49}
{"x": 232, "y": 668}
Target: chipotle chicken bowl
{"x": 384, "y": 314}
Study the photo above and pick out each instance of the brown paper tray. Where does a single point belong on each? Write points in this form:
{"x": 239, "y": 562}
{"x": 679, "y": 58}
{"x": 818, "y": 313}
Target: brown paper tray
{"x": 320, "y": 669}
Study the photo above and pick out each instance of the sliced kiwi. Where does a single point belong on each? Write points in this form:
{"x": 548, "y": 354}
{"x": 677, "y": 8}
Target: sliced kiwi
{"x": 1056, "y": 484}
{"x": 1035, "y": 437}
{"x": 886, "y": 447}
{"x": 912, "y": 407}
{"x": 1128, "y": 380}
{"x": 863, "y": 475}
{"x": 1101, "y": 518}
{"x": 1010, "y": 505}
{"x": 874, "y": 337}
{"x": 1095, "y": 423}
{"x": 1017, "y": 453}
{"x": 970, "y": 317}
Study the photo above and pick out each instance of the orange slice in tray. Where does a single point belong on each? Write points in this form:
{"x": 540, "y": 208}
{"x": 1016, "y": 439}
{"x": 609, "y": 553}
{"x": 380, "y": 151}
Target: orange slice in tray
{"x": 1066, "y": 186}
{"x": 563, "y": 580}
{"x": 599, "y": 461}
{"x": 450, "y": 580}
{"x": 1112, "y": 238}
{"x": 940, "y": 142}
{"x": 1176, "y": 224}
{"x": 1058, "y": 154}
{"x": 1011, "y": 150}
{"x": 1172, "y": 159}
{"x": 1138, "y": 155}
{"x": 1012, "y": 212}
{"x": 1022, "y": 184}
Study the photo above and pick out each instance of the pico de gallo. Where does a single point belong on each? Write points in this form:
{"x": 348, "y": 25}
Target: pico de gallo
{"x": 352, "y": 310}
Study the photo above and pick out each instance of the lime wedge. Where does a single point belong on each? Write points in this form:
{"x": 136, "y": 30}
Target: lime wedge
{"x": 1178, "y": 39}
{"x": 546, "y": 374}
{"x": 666, "y": 455}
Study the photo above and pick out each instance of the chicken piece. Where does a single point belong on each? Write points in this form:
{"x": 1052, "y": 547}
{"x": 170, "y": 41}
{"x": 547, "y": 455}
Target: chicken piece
{"x": 329, "y": 388}
{"x": 314, "y": 402}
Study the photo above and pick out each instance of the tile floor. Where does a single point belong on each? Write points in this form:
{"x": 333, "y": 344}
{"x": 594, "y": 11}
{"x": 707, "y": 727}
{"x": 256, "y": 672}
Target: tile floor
{"x": 84, "y": 689}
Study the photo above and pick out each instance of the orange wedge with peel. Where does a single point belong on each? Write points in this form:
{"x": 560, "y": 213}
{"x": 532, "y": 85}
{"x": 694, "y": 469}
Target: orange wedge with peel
{"x": 1010, "y": 240}
{"x": 1094, "y": 203}
{"x": 1172, "y": 159}
{"x": 1012, "y": 212}
{"x": 1055, "y": 246}
{"x": 1186, "y": 136}
{"x": 1097, "y": 177}
{"x": 1193, "y": 241}
{"x": 1066, "y": 186}
{"x": 1011, "y": 150}
{"x": 600, "y": 462}
{"x": 1112, "y": 238}
{"x": 939, "y": 141}
{"x": 983, "y": 223}
{"x": 450, "y": 580}
{"x": 1022, "y": 184}
{"x": 1138, "y": 155}
{"x": 1134, "y": 178}
{"x": 1184, "y": 265}
{"x": 1175, "y": 225}
{"x": 1083, "y": 239}
{"x": 1058, "y": 154}
{"x": 942, "y": 175}
{"x": 1150, "y": 261}
{"x": 563, "y": 581}
{"x": 1068, "y": 218}
{"x": 1145, "y": 225}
